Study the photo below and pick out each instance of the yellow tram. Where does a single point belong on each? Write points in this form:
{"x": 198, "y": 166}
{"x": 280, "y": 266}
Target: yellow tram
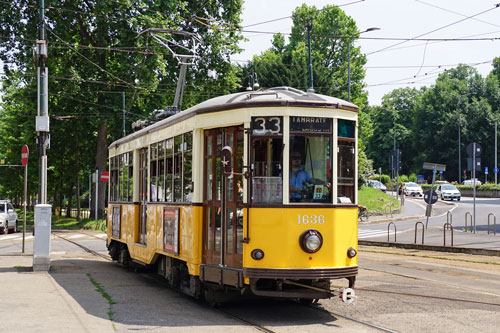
{"x": 253, "y": 192}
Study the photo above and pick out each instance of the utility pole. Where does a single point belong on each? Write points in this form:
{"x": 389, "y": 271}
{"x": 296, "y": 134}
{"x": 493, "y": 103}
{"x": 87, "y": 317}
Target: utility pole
{"x": 42, "y": 119}
{"x": 496, "y": 167}
{"x": 123, "y": 113}
{"x": 43, "y": 211}
{"x": 309, "y": 27}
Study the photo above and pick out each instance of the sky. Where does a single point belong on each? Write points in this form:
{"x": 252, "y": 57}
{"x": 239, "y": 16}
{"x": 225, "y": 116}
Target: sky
{"x": 413, "y": 63}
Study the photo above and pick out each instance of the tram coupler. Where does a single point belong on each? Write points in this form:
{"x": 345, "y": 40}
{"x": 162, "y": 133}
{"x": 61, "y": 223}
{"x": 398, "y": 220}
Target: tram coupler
{"x": 347, "y": 295}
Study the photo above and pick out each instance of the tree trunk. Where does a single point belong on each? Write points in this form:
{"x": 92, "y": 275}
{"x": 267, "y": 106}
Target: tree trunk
{"x": 70, "y": 198}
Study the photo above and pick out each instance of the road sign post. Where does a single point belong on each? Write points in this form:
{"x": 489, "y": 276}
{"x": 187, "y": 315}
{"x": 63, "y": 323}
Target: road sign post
{"x": 431, "y": 195}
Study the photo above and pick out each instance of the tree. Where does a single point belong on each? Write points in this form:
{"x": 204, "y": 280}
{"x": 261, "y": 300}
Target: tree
{"x": 331, "y": 31}
{"x": 95, "y": 54}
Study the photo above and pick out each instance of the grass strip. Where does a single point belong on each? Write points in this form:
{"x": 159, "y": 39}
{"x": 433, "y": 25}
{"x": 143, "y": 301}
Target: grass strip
{"x": 108, "y": 298}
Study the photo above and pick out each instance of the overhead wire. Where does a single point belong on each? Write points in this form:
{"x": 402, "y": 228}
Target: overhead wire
{"x": 434, "y": 30}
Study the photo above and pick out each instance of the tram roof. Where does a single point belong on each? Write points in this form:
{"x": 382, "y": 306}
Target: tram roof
{"x": 277, "y": 96}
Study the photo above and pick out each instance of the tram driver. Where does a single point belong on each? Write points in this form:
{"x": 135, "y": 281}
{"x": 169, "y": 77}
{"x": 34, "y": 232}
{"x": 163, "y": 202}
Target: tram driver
{"x": 301, "y": 182}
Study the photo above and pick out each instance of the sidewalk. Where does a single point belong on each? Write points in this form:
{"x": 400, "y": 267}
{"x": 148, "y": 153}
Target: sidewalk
{"x": 49, "y": 301}
{"x": 435, "y": 238}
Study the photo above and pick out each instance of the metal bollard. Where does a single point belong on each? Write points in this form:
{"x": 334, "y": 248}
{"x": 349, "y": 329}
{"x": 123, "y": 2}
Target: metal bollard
{"x": 444, "y": 233}
{"x": 469, "y": 214}
{"x": 388, "y": 226}
{"x": 494, "y": 224}
{"x": 416, "y": 224}
{"x": 449, "y": 217}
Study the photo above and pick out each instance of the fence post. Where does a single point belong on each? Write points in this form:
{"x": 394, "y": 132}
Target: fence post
{"x": 416, "y": 224}
{"x": 494, "y": 223}
{"x": 444, "y": 233}
{"x": 388, "y": 226}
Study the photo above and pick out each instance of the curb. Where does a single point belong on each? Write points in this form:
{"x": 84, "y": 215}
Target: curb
{"x": 395, "y": 219}
{"x": 437, "y": 248}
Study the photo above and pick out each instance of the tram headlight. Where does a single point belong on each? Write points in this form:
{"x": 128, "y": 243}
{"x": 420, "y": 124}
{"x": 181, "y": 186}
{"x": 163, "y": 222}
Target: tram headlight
{"x": 257, "y": 254}
{"x": 311, "y": 241}
{"x": 351, "y": 253}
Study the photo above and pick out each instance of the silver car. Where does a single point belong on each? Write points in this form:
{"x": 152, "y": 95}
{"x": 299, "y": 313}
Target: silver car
{"x": 448, "y": 191}
{"x": 8, "y": 217}
{"x": 376, "y": 184}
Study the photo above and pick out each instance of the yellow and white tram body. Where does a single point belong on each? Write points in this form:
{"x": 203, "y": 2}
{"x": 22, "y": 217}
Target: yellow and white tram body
{"x": 254, "y": 192}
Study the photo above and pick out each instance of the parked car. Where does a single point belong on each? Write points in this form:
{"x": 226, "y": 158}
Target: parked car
{"x": 448, "y": 191}
{"x": 378, "y": 185}
{"x": 8, "y": 217}
{"x": 471, "y": 182}
{"x": 413, "y": 189}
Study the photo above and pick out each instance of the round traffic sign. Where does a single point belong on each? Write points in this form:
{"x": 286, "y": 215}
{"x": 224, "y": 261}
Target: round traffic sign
{"x": 24, "y": 155}
{"x": 430, "y": 199}
{"x": 105, "y": 176}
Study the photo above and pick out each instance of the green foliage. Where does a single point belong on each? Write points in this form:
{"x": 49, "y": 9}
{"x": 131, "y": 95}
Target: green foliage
{"x": 412, "y": 177}
{"x": 375, "y": 200}
{"x": 386, "y": 179}
{"x": 96, "y": 54}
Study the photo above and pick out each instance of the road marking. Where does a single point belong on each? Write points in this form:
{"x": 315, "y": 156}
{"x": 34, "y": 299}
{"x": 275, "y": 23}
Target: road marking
{"x": 367, "y": 233}
{"x": 76, "y": 236}
{"x": 15, "y": 237}
{"x": 102, "y": 236}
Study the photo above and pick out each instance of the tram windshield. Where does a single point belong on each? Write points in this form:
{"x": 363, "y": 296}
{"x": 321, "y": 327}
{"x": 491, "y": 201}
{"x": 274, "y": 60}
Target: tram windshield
{"x": 310, "y": 159}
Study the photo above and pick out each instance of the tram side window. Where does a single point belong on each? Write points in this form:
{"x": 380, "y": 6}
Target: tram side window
{"x": 153, "y": 173}
{"x": 187, "y": 175}
{"x": 267, "y": 180}
{"x": 171, "y": 169}
{"x": 121, "y": 177}
{"x": 346, "y": 170}
{"x": 310, "y": 159}
{"x": 169, "y": 172}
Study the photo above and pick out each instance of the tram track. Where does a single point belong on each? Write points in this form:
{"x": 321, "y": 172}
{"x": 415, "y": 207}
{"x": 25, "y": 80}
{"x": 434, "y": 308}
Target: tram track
{"x": 239, "y": 318}
{"x": 449, "y": 284}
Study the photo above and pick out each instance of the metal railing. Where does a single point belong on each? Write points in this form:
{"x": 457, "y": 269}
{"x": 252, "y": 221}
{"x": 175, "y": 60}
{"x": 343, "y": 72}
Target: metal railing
{"x": 494, "y": 223}
{"x": 468, "y": 214}
{"x": 449, "y": 217}
{"x": 388, "y": 226}
{"x": 416, "y": 225}
{"x": 445, "y": 226}
{"x": 386, "y": 207}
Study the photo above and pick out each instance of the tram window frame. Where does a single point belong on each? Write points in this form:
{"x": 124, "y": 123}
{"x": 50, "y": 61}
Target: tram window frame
{"x": 346, "y": 145}
{"x": 268, "y": 190}
{"x": 320, "y": 188}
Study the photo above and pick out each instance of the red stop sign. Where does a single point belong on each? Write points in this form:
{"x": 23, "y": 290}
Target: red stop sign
{"x": 24, "y": 155}
{"x": 105, "y": 176}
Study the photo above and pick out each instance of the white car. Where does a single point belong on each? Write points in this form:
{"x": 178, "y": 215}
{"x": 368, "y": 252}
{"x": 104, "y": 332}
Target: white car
{"x": 471, "y": 182}
{"x": 448, "y": 191}
{"x": 413, "y": 189}
{"x": 8, "y": 217}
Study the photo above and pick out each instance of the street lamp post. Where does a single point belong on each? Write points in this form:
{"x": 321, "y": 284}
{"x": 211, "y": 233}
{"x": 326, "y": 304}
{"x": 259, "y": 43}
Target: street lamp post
{"x": 349, "y": 59}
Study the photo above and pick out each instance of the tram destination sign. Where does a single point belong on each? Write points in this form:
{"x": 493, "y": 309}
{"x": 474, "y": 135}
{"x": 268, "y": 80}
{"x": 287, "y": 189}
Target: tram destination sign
{"x": 310, "y": 125}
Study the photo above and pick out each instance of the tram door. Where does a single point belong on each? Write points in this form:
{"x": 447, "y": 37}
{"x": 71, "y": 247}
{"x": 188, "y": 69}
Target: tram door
{"x": 143, "y": 194}
{"x": 223, "y": 231}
